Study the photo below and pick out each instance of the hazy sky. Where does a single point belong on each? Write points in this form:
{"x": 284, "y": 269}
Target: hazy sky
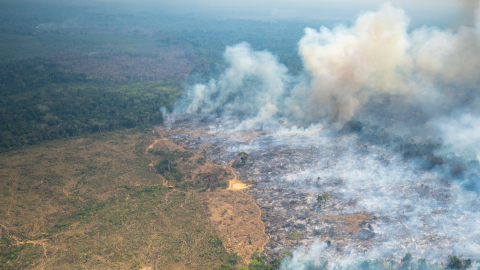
{"x": 424, "y": 4}
{"x": 432, "y": 12}
{"x": 437, "y": 12}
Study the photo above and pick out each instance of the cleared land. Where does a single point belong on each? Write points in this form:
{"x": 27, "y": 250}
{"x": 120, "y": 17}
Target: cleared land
{"x": 233, "y": 213}
{"x": 94, "y": 202}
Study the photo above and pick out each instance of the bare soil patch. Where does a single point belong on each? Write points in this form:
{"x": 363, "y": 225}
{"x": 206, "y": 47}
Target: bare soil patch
{"x": 236, "y": 219}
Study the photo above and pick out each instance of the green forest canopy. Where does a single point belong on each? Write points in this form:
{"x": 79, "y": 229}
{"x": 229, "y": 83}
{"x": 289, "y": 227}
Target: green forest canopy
{"x": 38, "y": 103}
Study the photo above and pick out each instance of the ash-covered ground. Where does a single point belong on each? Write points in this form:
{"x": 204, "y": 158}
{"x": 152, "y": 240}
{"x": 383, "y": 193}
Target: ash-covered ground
{"x": 381, "y": 204}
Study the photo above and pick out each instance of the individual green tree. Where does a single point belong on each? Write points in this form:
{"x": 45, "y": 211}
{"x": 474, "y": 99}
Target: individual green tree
{"x": 323, "y": 198}
{"x": 259, "y": 262}
{"x": 243, "y": 157}
{"x": 275, "y": 263}
{"x": 170, "y": 157}
{"x": 457, "y": 264}
{"x": 408, "y": 258}
{"x": 405, "y": 263}
{"x": 258, "y": 256}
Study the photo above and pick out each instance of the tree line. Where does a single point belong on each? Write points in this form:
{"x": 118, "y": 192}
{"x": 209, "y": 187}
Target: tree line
{"x": 39, "y": 103}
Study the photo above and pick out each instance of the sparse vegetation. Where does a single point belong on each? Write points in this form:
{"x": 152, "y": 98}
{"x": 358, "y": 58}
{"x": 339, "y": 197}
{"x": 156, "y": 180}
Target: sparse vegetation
{"x": 201, "y": 160}
{"x": 295, "y": 235}
{"x": 260, "y": 262}
{"x": 457, "y": 264}
{"x": 109, "y": 210}
{"x": 170, "y": 163}
{"x": 323, "y": 198}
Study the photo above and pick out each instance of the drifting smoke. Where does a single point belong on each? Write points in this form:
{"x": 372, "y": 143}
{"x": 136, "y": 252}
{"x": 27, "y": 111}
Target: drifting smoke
{"x": 461, "y": 133}
{"x": 252, "y": 86}
{"x": 468, "y": 8}
{"x": 346, "y": 64}
{"x": 429, "y": 69}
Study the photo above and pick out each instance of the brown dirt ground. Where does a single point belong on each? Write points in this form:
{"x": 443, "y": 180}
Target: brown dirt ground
{"x": 349, "y": 223}
{"x": 236, "y": 219}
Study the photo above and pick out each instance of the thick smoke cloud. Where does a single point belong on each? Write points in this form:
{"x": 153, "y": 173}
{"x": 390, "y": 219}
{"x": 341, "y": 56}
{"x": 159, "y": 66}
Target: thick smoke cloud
{"x": 347, "y": 63}
{"x": 377, "y": 55}
{"x": 430, "y": 70}
{"x": 446, "y": 57}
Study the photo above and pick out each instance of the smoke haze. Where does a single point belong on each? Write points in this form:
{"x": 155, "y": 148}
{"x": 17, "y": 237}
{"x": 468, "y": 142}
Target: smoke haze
{"x": 429, "y": 70}
{"x": 468, "y": 10}
{"x": 251, "y": 86}
{"x": 346, "y": 63}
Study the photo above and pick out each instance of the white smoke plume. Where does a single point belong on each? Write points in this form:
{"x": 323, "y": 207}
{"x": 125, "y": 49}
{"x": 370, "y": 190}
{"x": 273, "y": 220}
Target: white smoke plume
{"x": 347, "y": 63}
{"x": 447, "y": 57}
{"x": 377, "y": 55}
{"x": 344, "y": 67}
{"x": 252, "y": 86}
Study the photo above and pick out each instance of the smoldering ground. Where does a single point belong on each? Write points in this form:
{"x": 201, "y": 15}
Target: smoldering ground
{"x": 406, "y": 207}
{"x": 390, "y": 114}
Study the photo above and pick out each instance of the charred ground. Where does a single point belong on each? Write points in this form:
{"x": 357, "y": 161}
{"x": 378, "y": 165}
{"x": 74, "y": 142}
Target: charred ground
{"x": 402, "y": 198}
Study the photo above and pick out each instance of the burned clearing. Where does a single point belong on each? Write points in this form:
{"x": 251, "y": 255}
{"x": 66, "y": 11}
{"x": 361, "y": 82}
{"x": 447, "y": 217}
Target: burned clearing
{"x": 355, "y": 196}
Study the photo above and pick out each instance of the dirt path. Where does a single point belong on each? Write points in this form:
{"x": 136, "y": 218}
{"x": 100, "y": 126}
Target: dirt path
{"x": 35, "y": 242}
{"x": 152, "y": 164}
{"x": 186, "y": 198}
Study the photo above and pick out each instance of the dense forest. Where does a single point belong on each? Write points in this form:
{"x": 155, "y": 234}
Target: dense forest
{"x": 40, "y": 103}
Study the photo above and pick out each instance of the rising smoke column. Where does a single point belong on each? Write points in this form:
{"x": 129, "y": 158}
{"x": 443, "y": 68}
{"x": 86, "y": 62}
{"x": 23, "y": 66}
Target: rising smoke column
{"x": 346, "y": 64}
{"x": 252, "y": 87}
